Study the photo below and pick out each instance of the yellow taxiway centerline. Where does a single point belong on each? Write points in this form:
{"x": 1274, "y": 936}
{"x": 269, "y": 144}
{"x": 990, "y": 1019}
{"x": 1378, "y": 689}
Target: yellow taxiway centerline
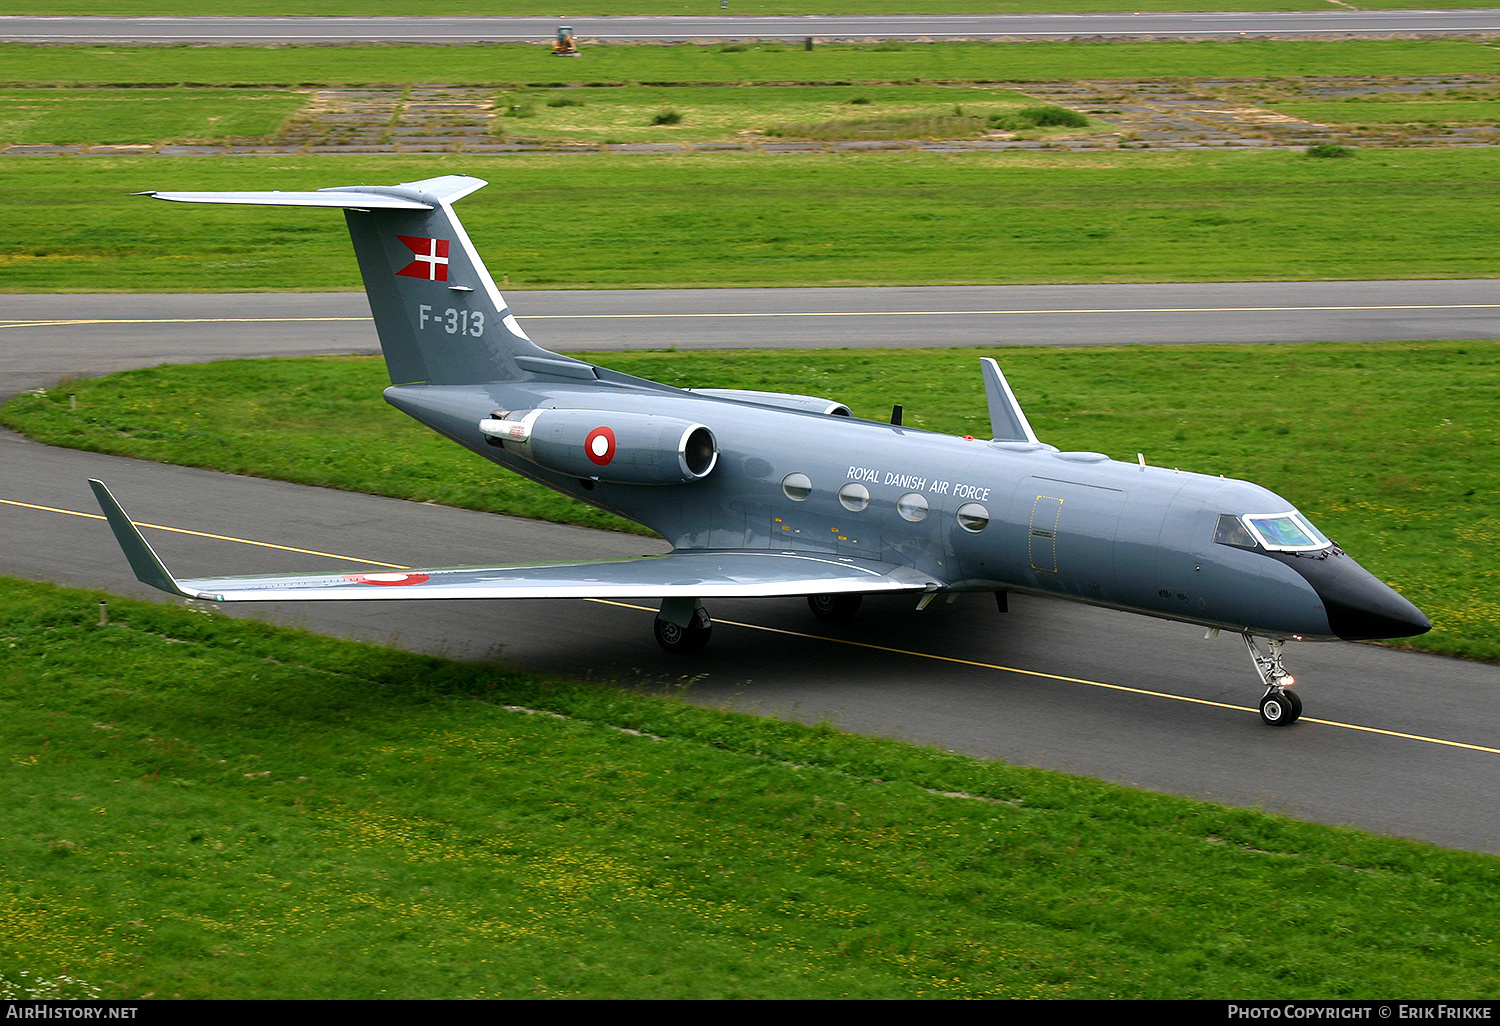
{"x": 815, "y": 637}
{"x": 205, "y": 534}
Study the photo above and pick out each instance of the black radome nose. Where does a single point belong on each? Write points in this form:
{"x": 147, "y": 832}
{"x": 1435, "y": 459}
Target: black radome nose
{"x": 1360, "y": 606}
{"x": 1375, "y": 614}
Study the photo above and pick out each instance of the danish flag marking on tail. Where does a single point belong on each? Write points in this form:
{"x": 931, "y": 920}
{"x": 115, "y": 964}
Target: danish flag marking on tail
{"x": 431, "y": 260}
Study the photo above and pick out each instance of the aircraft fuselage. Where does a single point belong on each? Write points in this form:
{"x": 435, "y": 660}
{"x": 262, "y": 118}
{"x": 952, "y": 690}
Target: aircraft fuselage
{"x": 1073, "y": 524}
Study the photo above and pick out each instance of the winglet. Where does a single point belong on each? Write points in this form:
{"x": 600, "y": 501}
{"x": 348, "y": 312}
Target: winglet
{"x": 146, "y": 564}
{"x": 1006, "y": 418}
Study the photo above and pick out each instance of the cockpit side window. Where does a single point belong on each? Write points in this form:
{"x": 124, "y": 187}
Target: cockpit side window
{"x": 1231, "y": 532}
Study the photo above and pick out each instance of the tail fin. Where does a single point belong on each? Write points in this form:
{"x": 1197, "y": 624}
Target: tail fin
{"x": 440, "y": 318}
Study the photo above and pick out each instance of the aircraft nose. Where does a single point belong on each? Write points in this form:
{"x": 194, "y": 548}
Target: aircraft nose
{"x": 1360, "y": 606}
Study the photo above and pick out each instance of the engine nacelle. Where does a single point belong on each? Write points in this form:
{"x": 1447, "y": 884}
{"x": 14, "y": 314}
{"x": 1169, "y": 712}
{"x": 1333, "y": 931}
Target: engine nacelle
{"x": 630, "y": 448}
{"x": 779, "y": 400}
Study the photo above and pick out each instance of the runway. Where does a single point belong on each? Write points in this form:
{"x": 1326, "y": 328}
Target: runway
{"x": 43, "y": 337}
{"x": 1394, "y": 742}
{"x": 455, "y": 30}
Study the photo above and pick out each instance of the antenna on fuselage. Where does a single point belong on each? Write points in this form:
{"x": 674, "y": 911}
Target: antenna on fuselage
{"x": 896, "y": 415}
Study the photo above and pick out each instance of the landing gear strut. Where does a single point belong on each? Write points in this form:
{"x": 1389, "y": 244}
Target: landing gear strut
{"x": 1280, "y": 706}
{"x": 682, "y": 625}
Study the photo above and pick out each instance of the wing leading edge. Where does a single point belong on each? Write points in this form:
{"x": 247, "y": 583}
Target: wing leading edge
{"x": 739, "y": 573}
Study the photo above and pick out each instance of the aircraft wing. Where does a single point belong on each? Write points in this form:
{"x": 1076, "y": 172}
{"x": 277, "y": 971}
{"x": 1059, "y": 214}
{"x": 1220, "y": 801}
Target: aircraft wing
{"x": 735, "y": 573}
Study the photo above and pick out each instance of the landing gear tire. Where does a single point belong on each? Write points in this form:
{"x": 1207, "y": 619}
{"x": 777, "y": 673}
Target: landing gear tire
{"x": 834, "y": 607}
{"x": 1277, "y": 710}
{"x": 1296, "y": 700}
{"x": 691, "y": 638}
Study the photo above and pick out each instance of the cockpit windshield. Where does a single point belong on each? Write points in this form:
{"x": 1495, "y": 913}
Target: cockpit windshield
{"x": 1276, "y": 532}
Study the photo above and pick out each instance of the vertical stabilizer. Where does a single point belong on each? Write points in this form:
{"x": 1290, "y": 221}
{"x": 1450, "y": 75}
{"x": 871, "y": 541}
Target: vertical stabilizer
{"x": 1007, "y": 420}
{"x": 440, "y": 318}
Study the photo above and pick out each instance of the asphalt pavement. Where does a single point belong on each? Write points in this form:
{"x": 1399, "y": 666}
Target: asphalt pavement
{"x": 43, "y": 337}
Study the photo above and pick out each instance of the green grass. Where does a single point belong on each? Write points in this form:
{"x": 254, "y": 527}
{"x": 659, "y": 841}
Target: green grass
{"x": 1453, "y": 112}
{"x": 824, "y": 219}
{"x": 140, "y": 116}
{"x": 201, "y": 807}
{"x": 604, "y": 8}
{"x": 770, "y": 63}
{"x": 1391, "y": 449}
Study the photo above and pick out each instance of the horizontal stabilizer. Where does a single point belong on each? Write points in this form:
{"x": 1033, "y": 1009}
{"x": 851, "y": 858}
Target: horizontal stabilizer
{"x": 445, "y": 189}
{"x": 735, "y": 573}
{"x": 347, "y": 200}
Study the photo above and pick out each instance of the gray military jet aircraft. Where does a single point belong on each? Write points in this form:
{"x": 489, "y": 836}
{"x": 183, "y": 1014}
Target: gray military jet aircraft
{"x": 774, "y": 494}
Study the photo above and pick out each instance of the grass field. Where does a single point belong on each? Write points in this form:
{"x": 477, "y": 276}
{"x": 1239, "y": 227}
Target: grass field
{"x": 1390, "y": 448}
{"x": 201, "y": 807}
{"x": 698, "y": 8}
{"x": 751, "y": 219}
{"x": 1453, "y": 112}
{"x": 206, "y": 808}
{"x": 140, "y": 116}
{"x": 732, "y": 64}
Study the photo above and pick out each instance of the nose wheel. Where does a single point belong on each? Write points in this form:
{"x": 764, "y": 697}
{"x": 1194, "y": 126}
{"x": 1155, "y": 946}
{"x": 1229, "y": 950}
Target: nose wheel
{"x": 1280, "y": 706}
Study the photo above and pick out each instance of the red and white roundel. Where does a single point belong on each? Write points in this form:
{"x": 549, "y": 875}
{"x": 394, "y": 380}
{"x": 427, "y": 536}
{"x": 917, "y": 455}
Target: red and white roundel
{"x": 600, "y": 445}
{"x": 387, "y": 580}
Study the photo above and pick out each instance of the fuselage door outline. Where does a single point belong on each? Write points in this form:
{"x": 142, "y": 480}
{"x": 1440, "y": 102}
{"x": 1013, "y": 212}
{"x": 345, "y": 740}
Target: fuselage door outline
{"x": 1041, "y": 539}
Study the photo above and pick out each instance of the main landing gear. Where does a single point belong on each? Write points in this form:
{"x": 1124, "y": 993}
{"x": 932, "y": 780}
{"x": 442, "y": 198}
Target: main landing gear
{"x": 834, "y": 607}
{"x": 682, "y": 625}
{"x": 1280, "y": 706}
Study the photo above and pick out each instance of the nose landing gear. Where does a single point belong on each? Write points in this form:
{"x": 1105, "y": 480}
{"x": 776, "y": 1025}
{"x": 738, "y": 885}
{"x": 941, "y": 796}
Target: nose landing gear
{"x": 1279, "y": 706}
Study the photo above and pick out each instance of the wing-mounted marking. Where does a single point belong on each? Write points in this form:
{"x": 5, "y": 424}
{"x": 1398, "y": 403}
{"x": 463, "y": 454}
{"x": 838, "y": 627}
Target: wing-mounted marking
{"x": 693, "y": 574}
{"x": 1007, "y": 420}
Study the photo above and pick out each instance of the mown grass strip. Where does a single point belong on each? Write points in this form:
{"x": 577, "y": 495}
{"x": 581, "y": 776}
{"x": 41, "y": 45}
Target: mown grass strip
{"x": 1391, "y": 448}
{"x": 825, "y": 219}
{"x": 140, "y": 116}
{"x": 203, "y": 807}
{"x": 623, "y": 8}
{"x": 22, "y": 64}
